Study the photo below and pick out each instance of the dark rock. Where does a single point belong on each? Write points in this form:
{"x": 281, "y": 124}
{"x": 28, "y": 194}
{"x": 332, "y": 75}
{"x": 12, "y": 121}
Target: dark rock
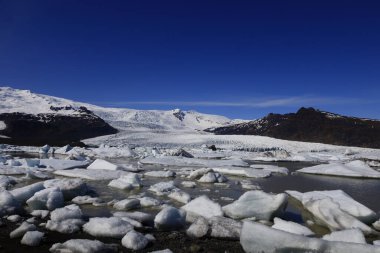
{"x": 53, "y": 128}
{"x": 311, "y": 125}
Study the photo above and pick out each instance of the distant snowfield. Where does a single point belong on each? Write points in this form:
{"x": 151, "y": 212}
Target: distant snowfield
{"x": 14, "y": 100}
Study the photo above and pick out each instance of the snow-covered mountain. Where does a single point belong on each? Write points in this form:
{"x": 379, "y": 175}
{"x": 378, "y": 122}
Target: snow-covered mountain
{"x": 25, "y": 101}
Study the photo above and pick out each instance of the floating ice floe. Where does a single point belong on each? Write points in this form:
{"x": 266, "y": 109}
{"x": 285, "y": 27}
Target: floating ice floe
{"x": 50, "y": 199}
{"x": 6, "y": 182}
{"x": 162, "y": 251}
{"x": 244, "y": 172}
{"x": 188, "y": 184}
{"x": 170, "y": 218}
{"x": 199, "y": 228}
{"x": 40, "y": 213}
{"x": 63, "y": 150}
{"x": 70, "y": 187}
{"x": 271, "y": 168}
{"x": 143, "y": 218}
{"x": 91, "y": 174}
{"x": 22, "y": 229}
{"x": 14, "y": 218}
{"x": 107, "y": 151}
{"x": 345, "y": 202}
{"x": 160, "y": 173}
{"x": 114, "y": 227}
{"x": 180, "y": 196}
{"x": 149, "y": 202}
{"x": 292, "y": 227}
{"x": 45, "y": 149}
{"x": 134, "y": 240}
{"x": 258, "y": 204}
{"x": 22, "y": 194}
{"x": 207, "y": 175}
{"x": 86, "y": 199}
{"x": 66, "y": 220}
{"x": 127, "y": 204}
{"x": 225, "y": 228}
{"x": 184, "y": 161}
{"x": 349, "y": 235}
{"x": 202, "y": 206}
{"x": 62, "y": 164}
{"x": 32, "y": 238}
{"x": 328, "y": 213}
{"x": 9, "y": 170}
{"x": 83, "y": 246}
{"x": 100, "y": 164}
{"x": 162, "y": 188}
{"x": 126, "y": 182}
{"x": 350, "y": 169}
{"x": 258, "y": 238}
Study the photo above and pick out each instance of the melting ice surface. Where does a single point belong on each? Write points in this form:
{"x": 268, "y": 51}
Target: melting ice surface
{"x": 154, "y": 190}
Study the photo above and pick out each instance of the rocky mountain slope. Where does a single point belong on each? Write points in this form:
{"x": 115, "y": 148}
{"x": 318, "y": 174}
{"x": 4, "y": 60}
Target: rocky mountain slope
{"x": 311, "y": 125}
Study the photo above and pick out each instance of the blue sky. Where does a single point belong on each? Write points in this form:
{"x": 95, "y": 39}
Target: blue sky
{"x": 242, "y": 59}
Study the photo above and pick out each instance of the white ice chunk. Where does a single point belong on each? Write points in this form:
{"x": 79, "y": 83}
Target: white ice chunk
{"x": 24, "y": 193}
{"x": 188, "y": 184}
{"x": 162, "y": 188}
{"x": 49, "y": 199}
{"x": 149, "y": 202}
{"x": 158, "y": 173}
{"x": 292, "y": 227}
{"x": 180, "y": 196}
{"x": 170, "y": 218}
{"x": 63, "y": 150}
{"x": 202, "y": 206}
{"x": 126, "y": 182}
{"x": 349, "y": 235}
{"x": 350, "y": 169}
{"x": 14, "y": 218}
{"x": 127, "y": 204}
{"x": 258, "y": 204}
{"x": 68, "y": 212}
{"x": 32, "y": 238}
{"x": 44, "y": 150}
{"x": 62, "y": 164}
{"x": 199, "y": 228}
{"x": 66, "y": 220}
{"x": 22, "y": 229}
{"x": 8, "y": 203}
{"x": 245, "y": 172}
{"x": 346, "y": 203}
{"x": 82, "y": 246}
{"x": 134, "y": 240}
{"x": 144, "y": 218}
{"x": 100, "y": 164}
{"x": 328, "y": 213}
{"x": 222, "y": 227}
{"x": 6, "y": 182}
{"x": 271, "y": 168}
{"x": 70, "y": 187}
{"x": 40, "y": 213}
{"x": 92, "y": 174}
{"x": 82, "y": 200}
{"x": 114, "y": 227}
{"x": 258, "y": 238}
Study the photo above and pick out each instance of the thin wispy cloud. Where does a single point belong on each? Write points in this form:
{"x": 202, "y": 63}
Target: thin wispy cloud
{"x": 254, "y": 103}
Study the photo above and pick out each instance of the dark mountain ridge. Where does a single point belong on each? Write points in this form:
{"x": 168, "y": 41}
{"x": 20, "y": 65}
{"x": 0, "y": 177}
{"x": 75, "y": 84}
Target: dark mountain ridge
{"x": 52, "y": 128}
{"x": 311, "y": 125}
